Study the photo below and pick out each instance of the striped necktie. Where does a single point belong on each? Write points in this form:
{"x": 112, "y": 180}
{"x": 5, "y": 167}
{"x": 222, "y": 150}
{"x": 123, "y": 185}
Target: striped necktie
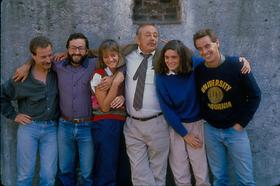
{"x": 140, "y": 74}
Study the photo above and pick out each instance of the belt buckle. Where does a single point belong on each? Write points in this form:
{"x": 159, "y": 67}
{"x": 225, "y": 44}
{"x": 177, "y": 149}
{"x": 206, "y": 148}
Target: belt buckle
{"x": 76, "y": 120}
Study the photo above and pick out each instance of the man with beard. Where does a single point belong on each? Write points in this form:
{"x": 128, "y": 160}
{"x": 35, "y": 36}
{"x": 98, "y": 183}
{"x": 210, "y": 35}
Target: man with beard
{"x": 37, "y": 100}
{"x": 74, "y": 131}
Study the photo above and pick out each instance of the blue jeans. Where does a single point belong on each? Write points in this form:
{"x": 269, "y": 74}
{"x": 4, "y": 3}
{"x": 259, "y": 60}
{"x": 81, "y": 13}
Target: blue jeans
{"x": 38, "y": 136}
{"x": 75, "y": 140}
{"x": 107, "y": 134}
{"x": 222, "y": 142}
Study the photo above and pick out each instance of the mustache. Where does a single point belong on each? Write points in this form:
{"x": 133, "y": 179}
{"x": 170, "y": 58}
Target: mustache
{"x": 70, "y": 57}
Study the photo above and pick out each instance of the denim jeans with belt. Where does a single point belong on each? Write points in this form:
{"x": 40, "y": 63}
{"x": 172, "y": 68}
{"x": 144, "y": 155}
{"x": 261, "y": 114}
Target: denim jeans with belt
{"x": 38, "y": 136}
{"x": 75, "y": 140}
{"x": 222, "y": 142}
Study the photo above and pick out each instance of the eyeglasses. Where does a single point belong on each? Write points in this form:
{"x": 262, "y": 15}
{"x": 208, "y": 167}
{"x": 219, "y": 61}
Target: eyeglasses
{"x": 80, "y": 48}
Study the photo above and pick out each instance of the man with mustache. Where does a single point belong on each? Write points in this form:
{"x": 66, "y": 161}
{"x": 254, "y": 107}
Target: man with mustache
{"x": 74, "y": 131}
{"x": 37, "y": 100}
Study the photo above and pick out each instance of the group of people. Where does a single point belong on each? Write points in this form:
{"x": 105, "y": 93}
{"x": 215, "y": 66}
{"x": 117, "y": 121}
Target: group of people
{"x": 150, "y": 104}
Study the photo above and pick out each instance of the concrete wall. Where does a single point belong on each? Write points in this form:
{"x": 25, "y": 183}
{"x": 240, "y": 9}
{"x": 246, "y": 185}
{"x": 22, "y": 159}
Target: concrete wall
{"x": 250, "y": 28}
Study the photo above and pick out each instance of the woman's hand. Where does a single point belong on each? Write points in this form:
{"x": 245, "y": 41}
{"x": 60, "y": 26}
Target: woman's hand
{"x": 193, "y": 141}
{"x": 117, "y": 102}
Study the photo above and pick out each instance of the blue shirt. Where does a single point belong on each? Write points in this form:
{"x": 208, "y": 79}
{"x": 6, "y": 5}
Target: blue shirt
{"x": 74, "y": 87}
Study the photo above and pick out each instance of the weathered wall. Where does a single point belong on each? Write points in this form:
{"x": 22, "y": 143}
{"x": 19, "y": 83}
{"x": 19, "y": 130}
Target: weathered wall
{"x": 250, "y": 28}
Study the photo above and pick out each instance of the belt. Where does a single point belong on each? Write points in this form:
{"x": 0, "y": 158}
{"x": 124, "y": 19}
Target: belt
{"x": 77, "y": 120}
{"x": 145, "y": 119}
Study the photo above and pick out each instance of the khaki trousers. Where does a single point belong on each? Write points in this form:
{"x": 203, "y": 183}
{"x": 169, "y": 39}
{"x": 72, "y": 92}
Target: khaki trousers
{"x": 147, "y": 144}
{"x": 183, "y": 155}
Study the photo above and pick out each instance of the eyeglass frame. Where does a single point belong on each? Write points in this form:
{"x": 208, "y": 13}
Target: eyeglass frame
{"x": 75, "y": 48}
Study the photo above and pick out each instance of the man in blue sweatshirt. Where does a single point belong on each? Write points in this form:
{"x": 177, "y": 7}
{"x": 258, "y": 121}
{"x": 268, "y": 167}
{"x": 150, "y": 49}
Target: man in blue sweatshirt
{"x": 228, "y": 102}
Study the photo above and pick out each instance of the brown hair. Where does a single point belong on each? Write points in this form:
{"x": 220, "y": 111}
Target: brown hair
{"x": 77, "y": 36}
{"x": 110, "y": 45}
{"x": 204, "y": 32}
{"x": 39, "y": 42}
{"x": 185, "y": 58}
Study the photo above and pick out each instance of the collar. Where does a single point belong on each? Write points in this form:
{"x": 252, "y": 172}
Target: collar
{"x": 139, "y": 51}
{"x": 108, "y": 71}
{"x": 84, "y": 62}
{"x": 171, "y": 73}
{"x": 223, "y": 58}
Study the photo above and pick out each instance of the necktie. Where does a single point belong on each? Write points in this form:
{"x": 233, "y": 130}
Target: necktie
{"x": 140, "y": 74}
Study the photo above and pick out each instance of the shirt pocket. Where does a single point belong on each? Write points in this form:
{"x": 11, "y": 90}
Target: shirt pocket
{"x": 150, "y": 77}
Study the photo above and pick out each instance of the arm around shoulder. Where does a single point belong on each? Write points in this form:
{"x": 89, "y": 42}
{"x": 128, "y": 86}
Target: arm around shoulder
{"x": 22, "y": 72}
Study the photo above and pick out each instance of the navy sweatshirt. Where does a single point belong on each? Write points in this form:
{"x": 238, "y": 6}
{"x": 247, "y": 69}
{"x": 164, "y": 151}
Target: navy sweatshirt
{"x": 226, "y": 95}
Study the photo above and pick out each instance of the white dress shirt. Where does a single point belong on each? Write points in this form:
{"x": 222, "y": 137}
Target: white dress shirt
{"x": 150, "y": 100}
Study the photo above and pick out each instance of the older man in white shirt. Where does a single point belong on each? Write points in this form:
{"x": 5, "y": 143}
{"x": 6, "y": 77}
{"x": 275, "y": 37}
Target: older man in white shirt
{"x": 146, "y": 131}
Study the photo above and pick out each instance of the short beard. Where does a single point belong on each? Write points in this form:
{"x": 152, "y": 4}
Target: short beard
{"x": 74, "y": 63}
